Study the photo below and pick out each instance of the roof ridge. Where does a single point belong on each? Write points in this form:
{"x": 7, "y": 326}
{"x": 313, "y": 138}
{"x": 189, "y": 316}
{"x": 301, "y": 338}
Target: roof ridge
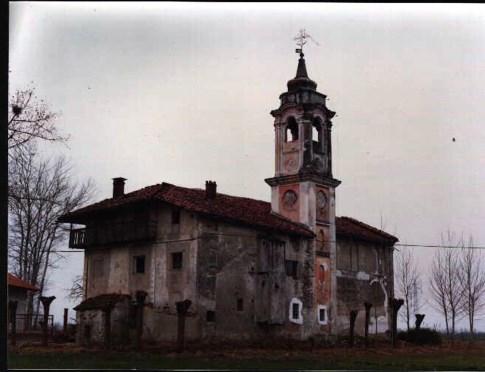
{"x": 299, "y": 224}
{"x": 370, "y": 227}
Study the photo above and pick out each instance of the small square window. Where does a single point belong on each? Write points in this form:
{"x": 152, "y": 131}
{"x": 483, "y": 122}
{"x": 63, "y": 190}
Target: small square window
{"x": 177, "y": 260}
{"x": 291, "y": 268}
{"x": 295, "y": 311}
{"x": 211, "y": 316}
{"x": 175, "y": 216}
{"x": 240, "y": 304}
{"x": 139, "y": 264}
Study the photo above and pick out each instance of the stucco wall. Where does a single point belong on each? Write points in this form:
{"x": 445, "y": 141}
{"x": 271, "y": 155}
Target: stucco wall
{"x": 364, "y": 274}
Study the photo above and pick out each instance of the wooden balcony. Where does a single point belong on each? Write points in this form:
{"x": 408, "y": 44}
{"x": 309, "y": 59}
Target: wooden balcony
{"x": 77, "y": 238}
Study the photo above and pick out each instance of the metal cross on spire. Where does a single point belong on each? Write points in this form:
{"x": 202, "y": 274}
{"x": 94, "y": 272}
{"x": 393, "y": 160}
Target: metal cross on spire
{"x": 301, "y": 40}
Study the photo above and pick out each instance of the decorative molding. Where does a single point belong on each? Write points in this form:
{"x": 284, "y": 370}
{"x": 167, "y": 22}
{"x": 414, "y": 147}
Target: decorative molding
{"x": 295, "y": 178}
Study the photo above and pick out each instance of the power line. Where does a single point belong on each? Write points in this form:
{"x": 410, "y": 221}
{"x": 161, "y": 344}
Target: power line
{"x": 438, "y": 246}
{"x": 207, "y": 235}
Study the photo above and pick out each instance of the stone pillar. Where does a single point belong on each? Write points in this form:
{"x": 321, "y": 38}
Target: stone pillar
{"x": 12, "y": 312}
{"x": 182, "y": 309}
{"x": 353, "y": 317}
{"x": 367, "y": 306}
{"x": 395, "y": 306}
{"x": 140, "y": 303}
{"x": 46, "y": 303}
{"x": 107, "y": 325}
{"x": 419, "y": 320}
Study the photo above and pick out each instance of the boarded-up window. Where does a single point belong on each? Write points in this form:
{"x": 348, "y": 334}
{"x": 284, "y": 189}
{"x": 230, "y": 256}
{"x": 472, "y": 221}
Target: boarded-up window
{"x": 321, "y": 274}
{"x": 175, "y": 216}
{"x": 291, "y": 268}
{"x": 211, "y": 316}
{"x": 139, "y": 264}
{"x": 177, "y": 260}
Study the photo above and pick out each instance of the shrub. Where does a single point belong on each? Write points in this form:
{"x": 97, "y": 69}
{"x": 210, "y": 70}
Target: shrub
{"x": 422, "y": 336}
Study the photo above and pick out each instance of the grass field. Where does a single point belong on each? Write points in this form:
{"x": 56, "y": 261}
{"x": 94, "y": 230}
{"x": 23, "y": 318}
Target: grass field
{"x": 461, "y": 356}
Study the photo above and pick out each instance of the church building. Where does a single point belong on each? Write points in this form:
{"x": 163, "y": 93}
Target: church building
{"x": 245, "y": 269}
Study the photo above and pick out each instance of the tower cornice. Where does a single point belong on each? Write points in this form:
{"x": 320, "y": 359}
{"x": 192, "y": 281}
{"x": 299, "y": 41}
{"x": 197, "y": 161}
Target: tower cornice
{"x": 302, "y": 177}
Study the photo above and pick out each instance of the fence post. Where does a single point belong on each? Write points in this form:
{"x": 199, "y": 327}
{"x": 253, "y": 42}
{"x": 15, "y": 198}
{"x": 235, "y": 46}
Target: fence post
{"x": 12, "y": 309}
{"x": 46, "y": 303}
{"x": 367, "y": 306}
{"x": 64, "y": 328}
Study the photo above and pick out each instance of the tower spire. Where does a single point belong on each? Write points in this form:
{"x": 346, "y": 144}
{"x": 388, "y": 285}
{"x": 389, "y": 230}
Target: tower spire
{"x": 301, "y": 70}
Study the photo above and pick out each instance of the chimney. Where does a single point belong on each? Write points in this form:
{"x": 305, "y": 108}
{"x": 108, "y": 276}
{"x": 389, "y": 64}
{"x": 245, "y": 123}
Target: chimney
{"x": 210, "y": 189}
{"x": 118, "y": 187}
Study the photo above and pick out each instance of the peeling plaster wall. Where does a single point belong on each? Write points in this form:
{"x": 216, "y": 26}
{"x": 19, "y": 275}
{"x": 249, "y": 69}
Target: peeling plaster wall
{"x": 361, "y": 278}
{"x": 230, "y": 271}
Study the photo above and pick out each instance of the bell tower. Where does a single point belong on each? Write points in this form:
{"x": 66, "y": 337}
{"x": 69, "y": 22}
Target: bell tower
{"x": 303, "y": 188}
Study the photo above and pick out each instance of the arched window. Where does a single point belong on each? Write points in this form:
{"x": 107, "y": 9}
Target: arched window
{"x": 321, "y": 240}
{"x": 291, "y": 133}
{"x": 321, "y": 274}
{"x": 317, "y": 130}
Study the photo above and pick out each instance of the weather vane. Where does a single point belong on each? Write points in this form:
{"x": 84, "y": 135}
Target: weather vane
{"x": 301, "y": 40}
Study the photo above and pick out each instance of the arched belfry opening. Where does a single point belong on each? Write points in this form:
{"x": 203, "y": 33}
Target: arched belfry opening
{"x": 291, "y": 133}
{"x": 317, "y": 134}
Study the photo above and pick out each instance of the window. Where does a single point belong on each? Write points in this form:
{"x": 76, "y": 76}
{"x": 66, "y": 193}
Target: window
{"x": 322, "y": 314}
{"x": 210, "y": 316}
{"x": 291, "y": 133}
{"x": 139, "y": 264}
{"x": 321, "y": 274}
{"x": 177, "y": 260}
{"x": 175, "y": 216}
{"x": 291, "y": 268}
{"x": 240, "y": 304}
{"x": 317, "y": 131}
{"x": 295, "y": 311}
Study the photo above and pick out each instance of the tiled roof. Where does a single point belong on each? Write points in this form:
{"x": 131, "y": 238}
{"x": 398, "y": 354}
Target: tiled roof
{"x": 234, "y": 209}
{"x": 230, "y": 208}
{"x": 350, "y": 227}
{"x": 101, "y": 302}
{"x": 13, "y": 281}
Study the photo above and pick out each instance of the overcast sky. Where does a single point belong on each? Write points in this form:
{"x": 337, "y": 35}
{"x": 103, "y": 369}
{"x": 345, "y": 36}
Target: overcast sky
{"x": 181, "y": 93}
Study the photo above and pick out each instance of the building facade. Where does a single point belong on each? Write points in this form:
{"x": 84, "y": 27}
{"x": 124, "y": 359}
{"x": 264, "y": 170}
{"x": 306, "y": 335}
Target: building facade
{"x": 251, "y": 269}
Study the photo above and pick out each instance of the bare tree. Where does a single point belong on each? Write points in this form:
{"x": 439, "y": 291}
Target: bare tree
{"x": 408, "y": 283}
{"x": 446, "y": 291}
{"x": 39, "y": 192}
{"x": 30, "y": 119}
{"x": 472, "y": 280}
{"x": 76, "y": 292}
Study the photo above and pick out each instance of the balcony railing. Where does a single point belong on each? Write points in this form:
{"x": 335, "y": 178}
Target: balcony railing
{"x": 77, "y": 238}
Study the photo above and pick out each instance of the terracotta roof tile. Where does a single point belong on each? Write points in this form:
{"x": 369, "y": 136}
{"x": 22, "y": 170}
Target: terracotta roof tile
{"x": 13, "y": 281}
{"x": 101, "y": 302}
{"x": 234, "y": 209}
{"x": 230, "y": 208}
{"x": 350, "y": 227}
